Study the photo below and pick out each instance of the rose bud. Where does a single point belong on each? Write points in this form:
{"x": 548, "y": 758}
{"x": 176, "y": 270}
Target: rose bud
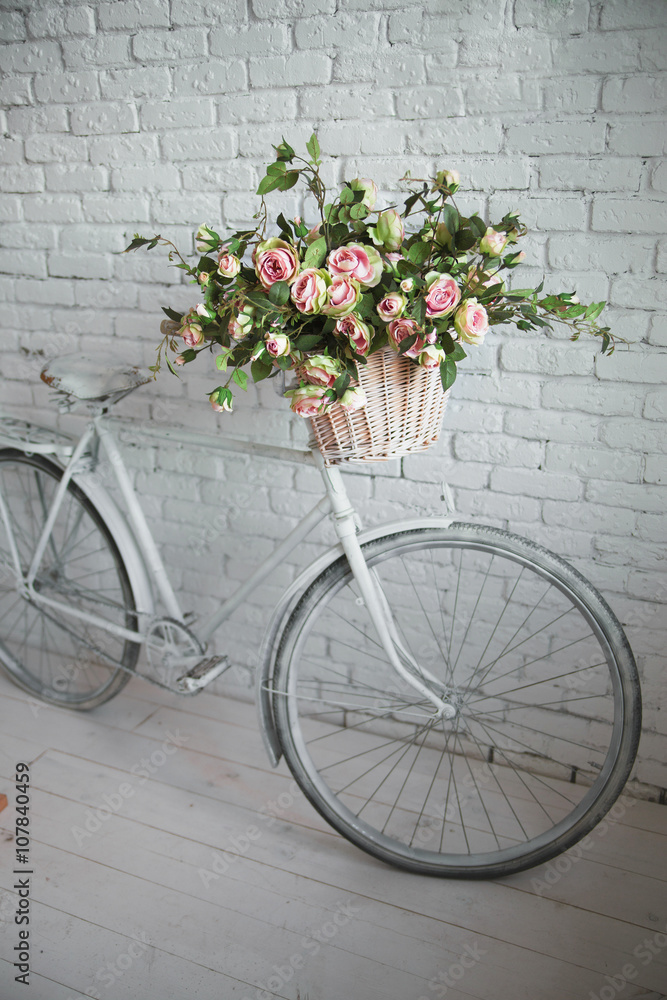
{"x": 191, "y": 333}
{"x": 368, "y": 187}
{"x": 389, "y": 231}
{"x": 391, "y": 306}
{"x": 228, "y": 265}
{"x": 353, "y": 399}
{"x": 343, "y": 294}
{"x": 221, "y": 399}
{"x": 493, "y": 243}
{"x": 407, "y": 284}
{"x": 277, "y": 344}
{"x": 321, "y": 370}
{"x": 431, "y": 357}
{"x": 206, "y": 239}
{"x": 308, "y": 400}
{"x": 448, "y": 178}
{"x": 471, "y": 322}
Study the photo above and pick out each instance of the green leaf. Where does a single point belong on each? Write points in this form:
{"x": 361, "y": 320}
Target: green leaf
{"x": 170, "y": 365}
{"x": 315, "y": 253}
{"x": 222, "y": 361}
{"x": 269, "y": 183}
{"x": 139, "y": 241}
{"x": 284, "y": 224}
{"x": 458, "y": 354}
{"x": 465, "y": 240}
{"x": 172, "y": 314}
{"x": 313, "y": 147}
{"x": 451, "y": 218}
{"x": 240, "y": 378}
{"x": 419, "y": 252}
{"x": 279, "y": 293}
{"x": 448, "y": 373}
{"x": 358, "y": 212}
{"x": 307, "y": 341}
{"x": 207, "y": 264}
{"x": 594, "y": 310}
{"x": 419, "y": 310}
{"x": 605, "y": 343}
{"x": 477, "y": 225}
{"x": 406, "y": 344}
{"x": 341, "y": 384}
{"x": 260, "y": 370}
{"x": 410, "y": 203}
{"x": 289, "y": 180}
{"x": 347, "y": 196}
{"x": 284, "y": 362}
{"x": 274, "y": 169}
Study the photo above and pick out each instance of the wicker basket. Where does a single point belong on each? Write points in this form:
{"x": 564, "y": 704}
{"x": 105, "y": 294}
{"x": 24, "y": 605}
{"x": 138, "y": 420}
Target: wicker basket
{"x": 403, "y": 413}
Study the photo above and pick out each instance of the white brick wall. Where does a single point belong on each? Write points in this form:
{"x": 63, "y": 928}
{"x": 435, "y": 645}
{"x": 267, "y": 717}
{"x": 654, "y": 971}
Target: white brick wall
{"x": 158, "y": 115}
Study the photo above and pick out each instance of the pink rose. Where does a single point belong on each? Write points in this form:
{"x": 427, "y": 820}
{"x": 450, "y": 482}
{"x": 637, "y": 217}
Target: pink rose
{"x": 277, "y": 344}
{"x": 221, "y": 399}
{"x": 314, "y": 233}
{"x": 399, "y": 329}
{"x": 353, "y": 399}
{"x": 362, "y": 263}
{"x": 308, "y": 400}
{"x": 493, "y": 243}
{"x": 443, "y": 296}
{"x": 357, "y": 332}
{"x": 343, "y": 294}
{"x": 228, "y": 265}
{"x": 191, "y": 333}
{"x": 319, "y": 369}
{"x": 431, "y": 357}
{"x": 309, "y": 291}
{"x": 274, "y": 261}
{"x": 471, "y": 322}
{"x": 391, "y": 306}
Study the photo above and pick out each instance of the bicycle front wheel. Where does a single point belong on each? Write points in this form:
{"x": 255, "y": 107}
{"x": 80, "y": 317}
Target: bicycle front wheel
{"x": 540, "y": 673}
{"x": 47, "y": 652}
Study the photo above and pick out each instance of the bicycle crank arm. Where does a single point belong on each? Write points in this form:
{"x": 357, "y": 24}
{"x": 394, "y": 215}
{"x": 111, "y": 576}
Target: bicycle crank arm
{"x": 201, "y": 674}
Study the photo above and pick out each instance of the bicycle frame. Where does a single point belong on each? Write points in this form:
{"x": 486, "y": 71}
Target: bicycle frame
{"x": 335, "y": 502}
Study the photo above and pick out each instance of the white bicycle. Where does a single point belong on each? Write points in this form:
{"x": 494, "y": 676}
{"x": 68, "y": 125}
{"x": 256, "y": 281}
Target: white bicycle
{"x": 452, "y": 698}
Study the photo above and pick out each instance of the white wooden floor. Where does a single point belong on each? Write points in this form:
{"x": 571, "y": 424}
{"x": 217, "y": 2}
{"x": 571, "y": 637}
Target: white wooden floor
{"x": 135, "y": 909}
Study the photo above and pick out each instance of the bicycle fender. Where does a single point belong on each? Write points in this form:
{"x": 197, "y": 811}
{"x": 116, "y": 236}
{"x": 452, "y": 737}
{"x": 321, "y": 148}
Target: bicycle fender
{"x": 284, "y": 608}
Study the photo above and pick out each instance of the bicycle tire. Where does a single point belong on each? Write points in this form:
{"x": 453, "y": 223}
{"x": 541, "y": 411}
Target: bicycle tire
{"x": 542, "y": 675}
{"x": 57, "y": 657}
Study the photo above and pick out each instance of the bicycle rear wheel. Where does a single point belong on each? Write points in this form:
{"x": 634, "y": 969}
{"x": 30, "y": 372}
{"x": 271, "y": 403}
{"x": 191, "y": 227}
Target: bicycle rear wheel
{"x": 540, "y": 672}
{"x": 51, "y": 654}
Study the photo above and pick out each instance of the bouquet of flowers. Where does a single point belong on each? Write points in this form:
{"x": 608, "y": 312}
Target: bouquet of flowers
{"x": 423, "y": 281}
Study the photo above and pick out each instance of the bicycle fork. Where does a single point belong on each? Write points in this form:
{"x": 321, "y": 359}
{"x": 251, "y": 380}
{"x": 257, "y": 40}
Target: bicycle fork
{"x": 371, "y": 592}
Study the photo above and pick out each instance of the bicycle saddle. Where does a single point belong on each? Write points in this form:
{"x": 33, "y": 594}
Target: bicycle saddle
{"x": 92, "y": 378}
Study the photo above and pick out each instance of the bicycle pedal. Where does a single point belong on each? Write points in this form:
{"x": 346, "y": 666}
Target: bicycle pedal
{"x": 202, "y": 674}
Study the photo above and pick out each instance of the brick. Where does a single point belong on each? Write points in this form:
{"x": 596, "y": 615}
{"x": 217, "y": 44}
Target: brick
{"x": 335, "y": 102}
{"x": 454, "y": 138}
{"x": 51, "y": 293}
{"x": 652, "y": 51}
{"x": 572, "y": 94}
{"x": 578, "y": 55}
{"x": 133, "y": 14}
{"x": 78, "y": 266}
{"x": 11, "y": 150}
{"x": 430, "y": 102}
{"x": 637, "y": 215}
{"x": 643, "y": 294}
{"x": 76, "y": 177}
{"x": 99, "y": 296}
{"x": 589, "y": 397}
{"x": 191, "y": 145}
{"x": 123, "y": 149}
{"x": 639, "y": 93}
{"x": 400, "y": 68}
{"x": 115, "y": 208}
{"x": 38, "y": 237}
{"x": 659, "y": 177}
{"x": 385, "y": 171}
{"x": 185, "y": 208}
{"x": 93, "y": 239}
{"x": 652, "y": 527}
{"x": 548, "y": 357}
{"x": 103, "y": 118}
{"x": 536, "y": 483}
{"x": 68, "y": 88}
{"x": 568, "y": 18}
{"x": 64, "y": 208}
{"x": 596, "y": 174}
{"x": 101, "y": 51}
{"x": 545, "y": 214}
{"x": 656, "y": 470}
{"x": 210, "y": 78}
{"x": 181, "y": 43}
{"x": 593, "y": 463}
{"x": 575, "y": 428}
{"x": 557, "y": 137}
{"x": 634, "y": 435}
{"x": 15, "y": 91}
{"x": 56, "y": 148}
{"x": 498, "y": 449}
{"x": 341, "y": 31}
{"x": 23, "y": 262}
{"x": 160, "y": 177}
{"x": 506, "y": 93}
{"x": 292, "y": 9}
{"x": 587, "y": 517}
{"x": 146, "y": 82}
{"x": 618, "y": 14}
{"x": 32, "y": 57}
{"x": 177, "y": 114}
{"x": 648, "y": 367}
{"x": 296, "y": 70}
{"x": 655, "y": 405}
{"x": 20, "y": 179}
{"x": 267, "y": 106}
{"x": 638, "y": 139}
{"x": 647, "y": 586}
{"x": 253, "y": 40}
{"x": 612, "y": 254}
{"x": 26, "y": 121}
{"x": 184, "y": 12}
{"x": 219, "y": 177}
{"x": 12, "y": 29}
{"x": 658, "y": 332}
